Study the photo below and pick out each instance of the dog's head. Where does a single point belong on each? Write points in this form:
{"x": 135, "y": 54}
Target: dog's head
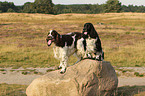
{"x": 88, "y": 30}
{"x": 52, "y": 37}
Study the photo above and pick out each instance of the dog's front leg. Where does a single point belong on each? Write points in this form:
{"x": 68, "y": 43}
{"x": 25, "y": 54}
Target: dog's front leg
{"x": 60, "y": 66}
{"x": 56, "y": 52}
{"x": 64, "y": 59}
{"x": 64, "y": 64}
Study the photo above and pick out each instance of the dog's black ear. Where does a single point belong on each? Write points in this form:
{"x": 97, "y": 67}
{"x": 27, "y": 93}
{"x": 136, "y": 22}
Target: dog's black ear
{"x": 57, "y": 37}
{"x": 54, "y": 33}
{"x": 93, "y": 31}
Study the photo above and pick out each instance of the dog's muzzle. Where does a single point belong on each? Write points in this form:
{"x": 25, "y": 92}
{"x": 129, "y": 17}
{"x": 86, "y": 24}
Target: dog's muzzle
{"x": 49, "y": 40}
{"x": 85, "y": 33}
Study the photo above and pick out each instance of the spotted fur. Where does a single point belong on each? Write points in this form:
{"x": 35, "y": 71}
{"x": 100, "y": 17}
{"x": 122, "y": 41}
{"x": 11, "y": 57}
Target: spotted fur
{"x": 64, "y": 46}
{"x": 93, "y": 42}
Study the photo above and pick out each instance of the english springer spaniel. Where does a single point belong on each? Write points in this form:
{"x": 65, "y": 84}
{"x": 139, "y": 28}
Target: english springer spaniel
{"x": 65, "y": 46}
{"x": 91, "y": 42}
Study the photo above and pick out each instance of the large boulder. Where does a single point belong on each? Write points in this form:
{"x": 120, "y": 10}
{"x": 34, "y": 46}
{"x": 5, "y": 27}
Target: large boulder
{"x": 86, "y": 78}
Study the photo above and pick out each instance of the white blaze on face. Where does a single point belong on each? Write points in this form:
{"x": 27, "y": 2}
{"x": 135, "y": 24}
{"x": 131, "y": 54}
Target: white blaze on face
{"x": 50, "y": 33}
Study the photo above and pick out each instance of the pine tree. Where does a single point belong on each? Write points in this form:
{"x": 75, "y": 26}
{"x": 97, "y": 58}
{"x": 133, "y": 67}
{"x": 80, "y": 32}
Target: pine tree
{"x": 28, "y": 7}
{"x": 112, "y": 6}
{"x": 44, "y": 6}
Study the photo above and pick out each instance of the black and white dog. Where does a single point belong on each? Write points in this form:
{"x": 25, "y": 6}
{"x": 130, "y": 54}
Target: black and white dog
{"x": 91, "y": 42}
{"x": 65, "y": 46}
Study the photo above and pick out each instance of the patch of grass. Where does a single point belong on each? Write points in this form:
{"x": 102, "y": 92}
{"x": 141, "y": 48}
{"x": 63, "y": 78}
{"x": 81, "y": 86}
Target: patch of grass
{"x": 30, "y": 70}
{"x": 132, "y": 28}
{"x": 25, "y": 73}
{"x": 130, "y": 91}
{"x": 127, "y": 33}
{"x": 138, "y": 74}
{"x": 140, "y": 94}
{"x": 49, "y": 70}
{"x": 35, "y": 72}
{"x": 137, "y": 66}
{"x": 12, "y": 90}
{"x": 125, "y": 70}
{"x": 12, "y": 70}
{"x": 2, "y": 70}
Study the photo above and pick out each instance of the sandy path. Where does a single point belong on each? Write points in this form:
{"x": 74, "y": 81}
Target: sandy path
{"x": 131, "y": 81}
{"x": 19, "y": 78}
{"x": 16, "y": 76}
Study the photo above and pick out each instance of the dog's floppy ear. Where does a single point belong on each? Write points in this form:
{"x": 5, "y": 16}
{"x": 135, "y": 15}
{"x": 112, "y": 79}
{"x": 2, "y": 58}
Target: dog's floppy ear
{"x": 55, "y": 34}
{"x": 92, "y": 28}
{"x": 57, "y": 37}
{"x": 93, "y": 31}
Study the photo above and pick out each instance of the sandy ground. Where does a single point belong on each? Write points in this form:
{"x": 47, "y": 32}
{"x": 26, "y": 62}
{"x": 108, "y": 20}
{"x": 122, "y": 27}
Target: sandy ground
{"x": 16, "y": 76}
{"x": 131, "y": 81}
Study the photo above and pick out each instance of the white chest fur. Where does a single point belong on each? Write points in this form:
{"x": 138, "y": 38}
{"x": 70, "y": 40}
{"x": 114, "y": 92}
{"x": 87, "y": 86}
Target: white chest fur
{"x": 80, "y": 48}
{"x": 90, "y": 45}
{"x": 63, "y": 52}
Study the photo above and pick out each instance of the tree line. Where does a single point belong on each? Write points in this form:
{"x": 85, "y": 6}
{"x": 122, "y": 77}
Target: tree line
{"x": 47, "y": 7}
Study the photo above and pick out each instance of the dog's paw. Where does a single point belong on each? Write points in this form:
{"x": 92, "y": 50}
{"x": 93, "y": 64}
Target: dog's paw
{"x": 63, "y": 71}
{"x": 99, "y": 58}
{"x": 89, "y": 56}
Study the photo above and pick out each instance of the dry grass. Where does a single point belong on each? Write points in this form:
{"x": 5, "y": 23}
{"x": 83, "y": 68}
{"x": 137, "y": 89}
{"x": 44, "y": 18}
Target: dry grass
{"x": 12, "y": 90}
{"x": 22, "y": 37}
{"x": 131, "y": 91}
